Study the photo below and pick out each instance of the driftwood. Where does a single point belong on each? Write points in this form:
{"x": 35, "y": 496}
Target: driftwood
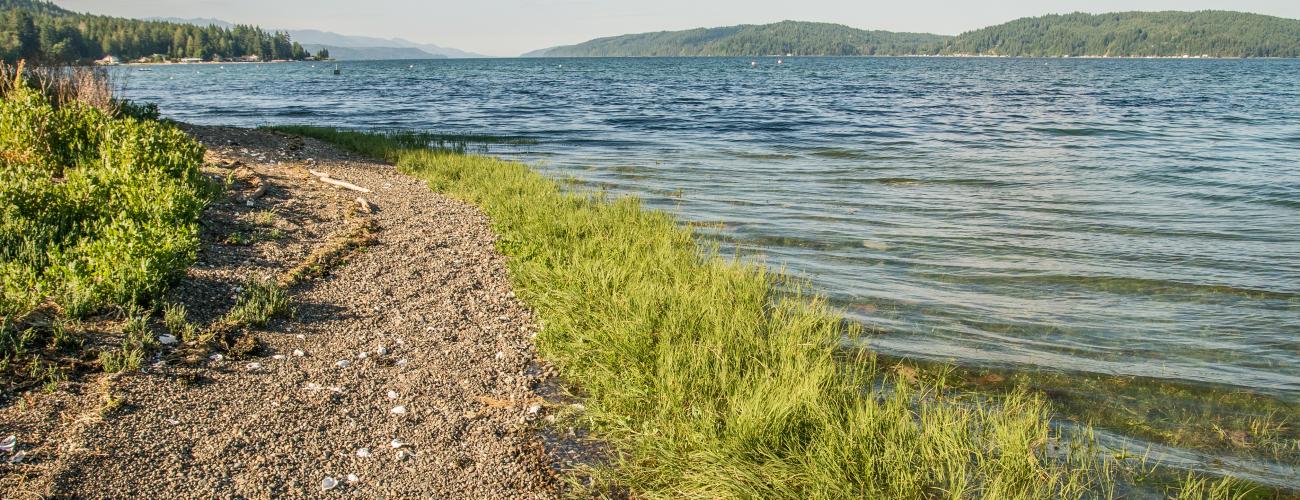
{"x": 325, "y": 177}
{"x": 365, "y": 205}
{"x": 257, "y": 193}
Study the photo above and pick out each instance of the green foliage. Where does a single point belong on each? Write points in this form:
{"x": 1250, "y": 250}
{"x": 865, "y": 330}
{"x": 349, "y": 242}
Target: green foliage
{"x": 786, "y": 37}
{"x": 40, "y": 31}
{"x": 137, "y": 342}
{"x": 95, "y": 211}
{"x": 1168, "y": 34}
{"x": 262, "y": 301}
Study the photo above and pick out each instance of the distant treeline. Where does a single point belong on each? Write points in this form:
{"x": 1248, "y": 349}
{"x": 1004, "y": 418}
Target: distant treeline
{"x": 40, "y": 31}
{"x": 1126, "y": 34}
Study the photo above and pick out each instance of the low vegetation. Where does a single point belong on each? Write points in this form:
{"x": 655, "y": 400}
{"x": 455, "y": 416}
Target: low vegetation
{"x": 99, "y": 208}
{"x": 715, "y": 378}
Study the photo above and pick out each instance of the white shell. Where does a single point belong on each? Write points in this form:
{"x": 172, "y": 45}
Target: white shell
{"x": 501, "y": 355}
{"x": 401, "y": 362}
{"x": 398, "y": 410}
{"x": 328, "y": 483}
{"x": 363, "y": 452}
{"x": 18, "y": 457}
{"x": 278, "y": 356}
{"x": 254, "y": 366}
{"x": 299, "y": 353}
{"x": 362, "y": 355}
{"x": 216, "y": 357}
{"x": 534, "y": 409}
{"x": 343, "y": 363}
{"x": 396, "y": 443}
{"x": 167, "y": 339}
{"x": 312, "y": 386}
{"x": 401, "y": 455}
{"x": 352, "y": 478}
{"x": 392, "y": 394}
{"x": 7, "y": 444}
{"x": 382, "y": 351}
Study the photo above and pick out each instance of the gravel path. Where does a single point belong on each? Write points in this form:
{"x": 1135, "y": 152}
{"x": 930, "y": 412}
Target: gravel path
{"x": 406, "y": 371}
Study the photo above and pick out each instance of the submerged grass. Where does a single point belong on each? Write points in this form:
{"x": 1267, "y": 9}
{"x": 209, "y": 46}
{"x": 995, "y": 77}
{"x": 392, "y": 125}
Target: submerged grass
{"x": 715, "y": 378}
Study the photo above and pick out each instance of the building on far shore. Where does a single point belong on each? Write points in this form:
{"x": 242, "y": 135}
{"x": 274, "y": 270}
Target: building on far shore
{"x": 109, "y": 60}
{"x": 191, "y": 60}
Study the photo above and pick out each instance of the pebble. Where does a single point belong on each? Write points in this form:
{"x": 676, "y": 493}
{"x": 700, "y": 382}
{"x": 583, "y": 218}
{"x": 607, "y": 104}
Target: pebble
{"x": 362, "y": 355}
{"x": 396, "y": 443}
{"x": 300, "y": 336}
{"x": 534, "y": 409}
{"x": 328, "y": 483}
{"x": 501, "y": 355}
{"x": 392, "y": 394}
{"x": 398, "y": 410}
{"x": 312, "y": 386}
{"x": 254, "y": 366}
{"x": 7, "y": 445}
{"x": 216, "y": 357}
{"x": 401, "y": 362}
{"x": 382, "y": 351}
{"x": 278, "y": 356}
{"x": 401, "y": 455}
{"x": 167, "y": 339}
{"x": 343, "y": 363}
{"x": 352, "y": 478}
{"x": 299, "y": 353}
{"x": 18, "y": 457}
{"x": 363, "y": 452}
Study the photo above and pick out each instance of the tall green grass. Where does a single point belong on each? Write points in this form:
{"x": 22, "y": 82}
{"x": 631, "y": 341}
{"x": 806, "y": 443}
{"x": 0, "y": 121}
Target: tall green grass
{"x": 718, "y": 379}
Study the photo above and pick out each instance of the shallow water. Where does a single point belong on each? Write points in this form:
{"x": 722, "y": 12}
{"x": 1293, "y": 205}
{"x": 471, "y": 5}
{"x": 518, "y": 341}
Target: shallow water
{"x": 1126, "y": 217}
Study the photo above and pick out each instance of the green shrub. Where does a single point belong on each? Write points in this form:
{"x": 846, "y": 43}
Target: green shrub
{"x": 95, "y": 211}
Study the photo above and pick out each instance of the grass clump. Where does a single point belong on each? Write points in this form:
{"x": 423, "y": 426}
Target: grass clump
{"x": 262, "y": 300}
{"x": 719, "y": 379}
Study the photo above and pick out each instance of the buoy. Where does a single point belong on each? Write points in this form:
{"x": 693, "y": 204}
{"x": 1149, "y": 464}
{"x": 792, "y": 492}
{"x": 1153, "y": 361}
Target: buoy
{"x": 337, "y": 71}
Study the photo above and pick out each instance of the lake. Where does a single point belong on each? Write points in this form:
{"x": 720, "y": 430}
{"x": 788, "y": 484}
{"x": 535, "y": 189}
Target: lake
{"x": 1135, "y": 218}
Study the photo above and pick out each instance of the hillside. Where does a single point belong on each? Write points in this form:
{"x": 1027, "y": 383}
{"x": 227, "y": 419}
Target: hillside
{"x": 371, "y": 53}
{"x": 1169, "y": 34}
{"x": 786, "y": 37}
{"x": 339, "y": 45}
{"x": 1125, "y": 34}
{"x": 43, "y": 32}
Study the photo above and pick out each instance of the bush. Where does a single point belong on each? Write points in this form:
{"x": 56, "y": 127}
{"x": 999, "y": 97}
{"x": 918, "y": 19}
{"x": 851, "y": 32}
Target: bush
{"x": 95, "y": 210}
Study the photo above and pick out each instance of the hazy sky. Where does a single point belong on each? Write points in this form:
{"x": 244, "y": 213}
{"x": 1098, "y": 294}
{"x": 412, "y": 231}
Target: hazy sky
{"x": 511, "y": 27}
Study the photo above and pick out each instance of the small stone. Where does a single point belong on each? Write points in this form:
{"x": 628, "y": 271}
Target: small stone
{"x": 254, "y": 366}
{"x": 299, "y": 353}
{"x": 278, "y": 357}
{"x": 18, "y": 457}
{"x": 501, "y": 355}
{"x": 328, "y": 483}
{"x": 396, "y": 443}
{"x": 300, "y": 336}
{"x": 343, "y": 363}
{"x": 216, "y": 357}
{"x": 401, "y": 362}
{"x": 534, "y": 409}
{"x": 352, "y": 478}
{"x": 402, "y": 455}
{"x": 392, "y": 394}
{"x": 336, "y": 389}
{"x": 8, "y": 444}
{"x": 382, "y": 351}
{"x": 312, "y": 386}
{"x": 167, "y": 339}
{"x": 398, "y": 410}
{"x": 362, "y": 355}
{"x": 173, "y": 421}
{"x": 363, "y": 453}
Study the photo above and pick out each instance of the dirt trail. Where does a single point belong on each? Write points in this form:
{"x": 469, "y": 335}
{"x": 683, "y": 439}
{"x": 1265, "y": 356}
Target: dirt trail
{"x": 415, "y": 341}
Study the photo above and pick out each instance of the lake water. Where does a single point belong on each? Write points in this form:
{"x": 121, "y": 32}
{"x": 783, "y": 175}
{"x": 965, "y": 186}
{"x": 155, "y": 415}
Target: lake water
{"x": 1120, "y": 217}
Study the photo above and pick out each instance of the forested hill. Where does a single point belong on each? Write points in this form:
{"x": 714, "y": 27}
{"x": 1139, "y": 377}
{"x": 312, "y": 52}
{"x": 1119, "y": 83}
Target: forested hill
{"x": 1136, "y": 34}
{"x": 41, "y": 31}
{"x": 787, "y": 37}
{"x": 1126, "y": 34}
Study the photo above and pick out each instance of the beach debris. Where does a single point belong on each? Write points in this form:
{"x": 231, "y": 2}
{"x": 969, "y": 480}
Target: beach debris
{"x": 173, "y": 421}
{"x": 278, "y": 357}
{"x": 167, "y": 339}
{"x": 501, "y": 355}
{"x": 343, "y": 363}
{"x": 402, "y": 455}
{"x": 18, "y": 457}
{"x": 300, "y": 337}
{"x": 363, "y": 452}
{"x": 396, "y": 443}
{"x": 352, "y": 478}
{"x": 216, "y": 357}
{"x": 312, "y": 386}
{"x": 401, "y": 362}
{"x": 337, "y": 389}
{"x": 392, "y": 394}
{"x": 299, "y": 353}
{"x": 254, "y": 366}
{"x": 328, "y": 483}
{"x": 8, "y": 444}
{"x": 325, "y": 177}
{"x": 363, "y": 355}
{"x": 398, "y": 410}
{"x": 534, "y": 409}
{"x": 364, "y": 205}
{"x": 382, "y": 351}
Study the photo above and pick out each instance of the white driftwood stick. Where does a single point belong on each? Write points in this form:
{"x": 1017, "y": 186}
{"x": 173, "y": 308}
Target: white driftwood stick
{"x": 325, "y": 177}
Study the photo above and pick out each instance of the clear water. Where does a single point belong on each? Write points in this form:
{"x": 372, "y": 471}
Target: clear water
{"x": 1128, "y": 217}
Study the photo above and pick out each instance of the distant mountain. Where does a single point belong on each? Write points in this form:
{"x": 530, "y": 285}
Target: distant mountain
{"x": 1124, "y": 34}
{"x": 786, "y": 37}
{"x": 1168, "y": 34}
{"x": 201, "y": 21}
{"x": 371, "y": 47}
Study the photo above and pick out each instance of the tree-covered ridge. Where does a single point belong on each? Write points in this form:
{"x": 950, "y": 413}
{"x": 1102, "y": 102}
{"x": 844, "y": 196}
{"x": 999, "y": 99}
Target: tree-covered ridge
{"x": 41, "y": 31}
{"x": 787, "y": 37}
{"x": 1136, "y": 34}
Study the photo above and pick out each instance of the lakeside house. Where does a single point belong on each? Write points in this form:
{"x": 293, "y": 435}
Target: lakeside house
{"x": 109, "y": 60}
{"x": 191, "y": 60}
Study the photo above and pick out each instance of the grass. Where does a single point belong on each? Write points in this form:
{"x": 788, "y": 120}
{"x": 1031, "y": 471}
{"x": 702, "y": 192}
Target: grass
{"x": 262, "y": 300}
{"x": 718, "y": 379}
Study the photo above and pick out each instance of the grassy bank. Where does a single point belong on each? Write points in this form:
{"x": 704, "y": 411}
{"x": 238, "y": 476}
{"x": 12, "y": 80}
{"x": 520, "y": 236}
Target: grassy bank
{"x": 99, "y": 208}
{"x": 714, "y": 378}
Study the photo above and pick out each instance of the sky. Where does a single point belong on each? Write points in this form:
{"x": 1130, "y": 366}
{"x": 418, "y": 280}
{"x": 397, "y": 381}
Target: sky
{"x": 512, "y": 27}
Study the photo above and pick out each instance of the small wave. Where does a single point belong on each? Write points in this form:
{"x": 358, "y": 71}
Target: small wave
{"x": 1122, "y": 285}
